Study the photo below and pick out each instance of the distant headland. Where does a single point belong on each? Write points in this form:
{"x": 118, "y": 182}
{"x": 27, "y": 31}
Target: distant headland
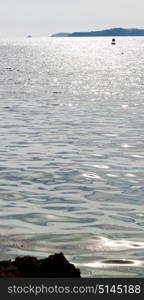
{"x": 100, "y": 33}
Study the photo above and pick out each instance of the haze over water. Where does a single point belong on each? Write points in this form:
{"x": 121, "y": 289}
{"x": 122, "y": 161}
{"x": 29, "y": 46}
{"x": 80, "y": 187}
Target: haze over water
{"x": 71, "y": 152}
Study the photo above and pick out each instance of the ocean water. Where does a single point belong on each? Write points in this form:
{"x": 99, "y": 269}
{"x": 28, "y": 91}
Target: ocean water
{"x": 72, "y": 152}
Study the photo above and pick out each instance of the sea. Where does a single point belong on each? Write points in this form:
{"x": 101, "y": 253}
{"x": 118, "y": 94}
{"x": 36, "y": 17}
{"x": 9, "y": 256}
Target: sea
{"x": 72, "y": 152}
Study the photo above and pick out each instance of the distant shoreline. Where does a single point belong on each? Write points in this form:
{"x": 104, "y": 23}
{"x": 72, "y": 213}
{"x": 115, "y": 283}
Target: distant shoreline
{"x": 104, "y": 33}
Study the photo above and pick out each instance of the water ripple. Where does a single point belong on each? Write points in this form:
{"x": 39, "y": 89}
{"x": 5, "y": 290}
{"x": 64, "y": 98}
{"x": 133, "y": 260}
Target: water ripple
{"x": 71, "y": 152}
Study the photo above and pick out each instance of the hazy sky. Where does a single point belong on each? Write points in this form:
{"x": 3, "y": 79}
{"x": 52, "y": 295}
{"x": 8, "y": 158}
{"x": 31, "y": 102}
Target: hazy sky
{"x": 44, "y": 17}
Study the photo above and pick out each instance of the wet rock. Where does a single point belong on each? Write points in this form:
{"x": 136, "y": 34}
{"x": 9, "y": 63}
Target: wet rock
{"x": 55, "y": 266}
{"x": 7, "y": 269}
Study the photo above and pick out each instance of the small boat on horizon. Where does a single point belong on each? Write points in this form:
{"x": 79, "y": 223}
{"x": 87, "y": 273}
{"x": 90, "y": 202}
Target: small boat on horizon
{"x": 113, "y": 42}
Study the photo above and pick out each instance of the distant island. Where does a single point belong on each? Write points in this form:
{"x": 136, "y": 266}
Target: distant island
{"x": 61, "y": 34}
{"x": 107, "y": 32}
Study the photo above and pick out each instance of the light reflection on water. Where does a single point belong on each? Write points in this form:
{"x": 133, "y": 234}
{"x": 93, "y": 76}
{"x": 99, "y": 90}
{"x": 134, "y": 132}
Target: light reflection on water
{"x": 71, "y": 152}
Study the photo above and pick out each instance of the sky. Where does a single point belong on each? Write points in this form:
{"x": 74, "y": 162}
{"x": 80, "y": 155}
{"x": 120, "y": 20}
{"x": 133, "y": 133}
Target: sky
{"x": 45, "y": 17}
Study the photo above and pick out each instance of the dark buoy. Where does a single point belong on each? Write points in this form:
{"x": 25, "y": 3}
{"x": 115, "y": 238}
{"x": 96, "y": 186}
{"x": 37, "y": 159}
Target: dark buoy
{"x": 113, "y": 42}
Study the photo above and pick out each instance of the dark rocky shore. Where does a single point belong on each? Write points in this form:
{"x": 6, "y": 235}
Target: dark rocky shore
{"x": 55, "y": 266}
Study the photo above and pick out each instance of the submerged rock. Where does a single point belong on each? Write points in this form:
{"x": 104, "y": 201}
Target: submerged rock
{"x": 55, "y": 266}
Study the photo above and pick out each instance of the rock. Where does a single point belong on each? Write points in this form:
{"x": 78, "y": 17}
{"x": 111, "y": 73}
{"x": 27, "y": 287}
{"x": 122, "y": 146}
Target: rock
{"x": 55, "y": 266}
{"x": 7, "y": 269}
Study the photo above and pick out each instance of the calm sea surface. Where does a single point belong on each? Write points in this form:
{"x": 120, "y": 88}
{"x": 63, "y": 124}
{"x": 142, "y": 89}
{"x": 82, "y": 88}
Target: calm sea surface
{"x": 72, "y": 152}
